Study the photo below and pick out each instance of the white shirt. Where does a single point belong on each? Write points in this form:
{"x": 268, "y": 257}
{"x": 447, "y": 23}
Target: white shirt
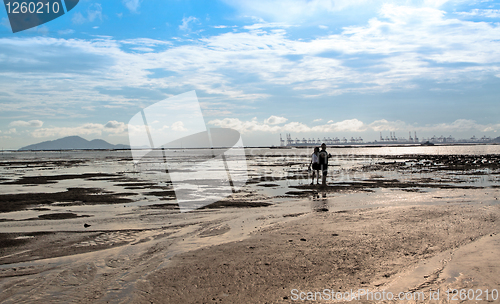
{"x": 315, "y": 158}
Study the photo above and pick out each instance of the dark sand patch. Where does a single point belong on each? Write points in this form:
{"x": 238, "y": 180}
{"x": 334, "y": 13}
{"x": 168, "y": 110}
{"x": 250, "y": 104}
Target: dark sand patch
{"x": 299, "y": 193}
{"x": 60, "y": 216}
{"x": 41, "y": 163}
{"x": 73, "y": 196}
{"x": 408, "y": 186}
{"x": 50, "y": 179}
{"x": 439, "y": 162}
{"x": 161, "y": 193}
{"x": 268, "y": 185}
{"x": 21, "y": 247}
{"x": 166, "y": 206}
{"x": 144, "y": 185}
{"x": 236, "y": 204}
{"x": 50, "y": 216}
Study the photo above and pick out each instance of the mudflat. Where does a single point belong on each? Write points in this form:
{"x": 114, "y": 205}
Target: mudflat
{"x": 421, "y": 226}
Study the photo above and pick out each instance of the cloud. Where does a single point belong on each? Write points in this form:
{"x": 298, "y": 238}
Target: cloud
{"x": 457, "y": 126}
{"x": 316, "y": 11}
{"x": 10, "y": 131}
{"x": 416, "y": 43}
{"x": 66, "y": 32}
{"x": 384, "y": 125}
{"x": 115, "y": 127}
{"x": 132, "y": 5}
{"x": 31, "y": 123}
{"x": 351, "y": 125}
{"x": 488, "y": 13}
{"x": 78, "y": 18}
{"x": 112, "y": 127}
{"x": 402, "y": 47}
{"x": 94, "y": 12}
{"x": 185, "y": 23}
{"x": 86, "y": 129}
{"x": 275, "y": 120}
{"x": 462, "y": 125}
{"x": 178, "y": 126}
{"x": 269, "y": 125}
{"x": 263, "y": 25}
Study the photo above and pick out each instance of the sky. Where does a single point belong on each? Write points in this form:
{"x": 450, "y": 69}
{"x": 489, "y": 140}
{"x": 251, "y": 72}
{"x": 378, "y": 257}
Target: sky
{"x": 311, "y": 68}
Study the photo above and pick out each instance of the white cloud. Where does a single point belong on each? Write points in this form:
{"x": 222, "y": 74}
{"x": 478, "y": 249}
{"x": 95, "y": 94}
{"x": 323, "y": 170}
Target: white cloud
{"x": 145, "y": 42}
{"x": 462, "y": 125}
{"x": 313, "y": 11}
{"x": 384, "y": 125}
{"x": 66, "y": 32}
{"x": 457, "y": 126}
{"x": 31, "y": 123}
{"x": 132, "y": 5}
{"x": 178, "y": 126}
{"x": 78, "y": 18}
{"x": 94, "y": 12}
{"x": 115, "y": 127}
{"x": 111, "y": 127}
{"x": 488, "y": 13}
{"x": 289, "y": 10}
{"x": 263, "y": 25}
{"x": 143, "y": 49}
{"x": 395, "y": 39}
{"x": 351, "y": 125}
{"x": 86, "y": 129}
{"x": 185, "y": 23}
{"x": 10, "y": 131}
{"x": 275, "y": 120}
{"x": 320, "y": 119}
{"x": 392, "y": 43}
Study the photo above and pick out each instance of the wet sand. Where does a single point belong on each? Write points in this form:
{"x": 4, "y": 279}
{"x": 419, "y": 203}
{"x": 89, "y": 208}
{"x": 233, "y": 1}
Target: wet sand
{"x": 374, "y": 232}
{"x": 357, "y": 249}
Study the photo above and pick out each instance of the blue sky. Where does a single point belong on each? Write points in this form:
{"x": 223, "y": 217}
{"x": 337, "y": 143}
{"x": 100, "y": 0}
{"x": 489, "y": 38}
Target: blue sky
{"x": 310, "y": 68}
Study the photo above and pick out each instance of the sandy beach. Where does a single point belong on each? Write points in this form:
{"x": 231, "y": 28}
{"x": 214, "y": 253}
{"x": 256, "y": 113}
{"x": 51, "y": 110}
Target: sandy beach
{"x": 393, "y": 228}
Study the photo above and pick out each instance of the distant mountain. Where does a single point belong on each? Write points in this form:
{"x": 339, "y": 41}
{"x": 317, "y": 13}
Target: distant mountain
{"x": 496, "y": 140}
{"x": 74, "y": 143}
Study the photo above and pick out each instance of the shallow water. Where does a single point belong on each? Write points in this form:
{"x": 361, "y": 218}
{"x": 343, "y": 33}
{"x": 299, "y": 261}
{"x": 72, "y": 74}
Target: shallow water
{"x": 272, "y": 175}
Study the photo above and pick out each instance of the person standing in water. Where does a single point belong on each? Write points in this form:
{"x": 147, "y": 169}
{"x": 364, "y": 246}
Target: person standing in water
{"x": 323, "y": 163}
{"x": 315, "y": 165}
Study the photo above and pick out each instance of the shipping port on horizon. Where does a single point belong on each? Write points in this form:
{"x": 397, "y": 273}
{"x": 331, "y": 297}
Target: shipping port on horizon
{"x": 392, "y": 139}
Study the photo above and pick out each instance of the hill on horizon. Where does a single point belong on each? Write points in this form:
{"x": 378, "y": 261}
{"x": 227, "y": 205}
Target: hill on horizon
{"x": 74, "y": 143}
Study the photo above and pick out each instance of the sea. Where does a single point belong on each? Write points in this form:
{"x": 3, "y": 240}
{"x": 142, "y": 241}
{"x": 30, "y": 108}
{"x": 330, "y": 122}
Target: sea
{"x": 204, "y": 176}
